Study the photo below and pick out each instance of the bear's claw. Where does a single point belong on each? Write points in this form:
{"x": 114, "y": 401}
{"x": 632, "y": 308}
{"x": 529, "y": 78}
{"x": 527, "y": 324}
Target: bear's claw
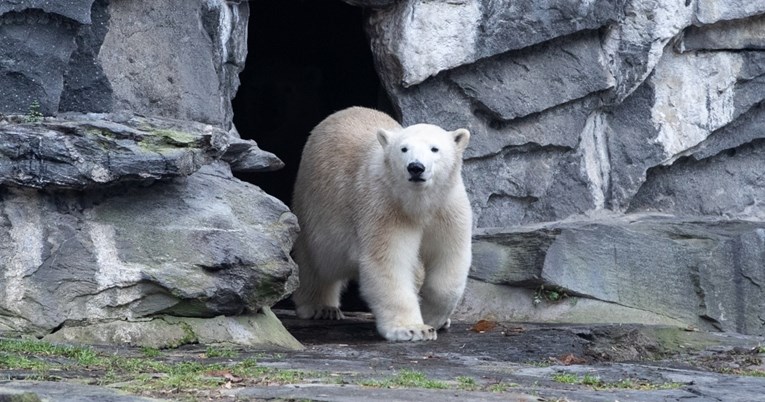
{"x": 414, "y": 332}
{"x": 319, "y": 313}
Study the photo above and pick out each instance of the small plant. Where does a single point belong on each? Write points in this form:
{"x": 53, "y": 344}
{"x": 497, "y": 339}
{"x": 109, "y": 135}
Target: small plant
{"x": 597, "y": 384}
{"x": 34, "y": 115}
{"x": 150, "y": 352}
{"x": 565, "y": 378}
{"x": 501, "y": 387}
{"x": 552, "y": 295}
{"x": 406, "y": 379}
{"x": 227, "y": 353}
{"x": 466, "y": 383}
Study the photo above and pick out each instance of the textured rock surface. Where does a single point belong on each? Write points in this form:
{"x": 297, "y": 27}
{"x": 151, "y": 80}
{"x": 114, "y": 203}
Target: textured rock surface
{"x": 574, "y": 106}
{"x": 110, "y": 220}
{"x": 154, "y": 58}
{"x": 200, "y": 246}
{"x": 84, "y": 151}
{"x": 706, "y": 273}
{"x": 260, "y": 330}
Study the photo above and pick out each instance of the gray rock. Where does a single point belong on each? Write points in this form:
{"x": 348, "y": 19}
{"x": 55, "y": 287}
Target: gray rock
{"x": 704, "y": 273}
{"x": 725, "y": 35}
{"x": 101, "y": 56}
{"x": 517, "y": 84}
{"x": 77, "y": 10}
{"x": 261, "y": 330}
{"x": 404, "y": 37}
{"x": 711, "y": 11}
{"x": 728, "y": 184}
{"x": 85, "y": 151}
{"x": 32, "y": 391}
{"x": 246, "y": 156}
{"x": 35, "y": 48}
{"x": 200, "y": 246}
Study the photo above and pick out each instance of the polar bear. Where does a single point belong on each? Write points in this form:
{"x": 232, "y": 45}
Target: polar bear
{"x": 384, "y": 205}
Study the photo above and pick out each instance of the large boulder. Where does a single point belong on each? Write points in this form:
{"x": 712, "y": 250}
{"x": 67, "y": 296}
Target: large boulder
{"x": 703, "y": 273}
{"x": 200, "y": 246}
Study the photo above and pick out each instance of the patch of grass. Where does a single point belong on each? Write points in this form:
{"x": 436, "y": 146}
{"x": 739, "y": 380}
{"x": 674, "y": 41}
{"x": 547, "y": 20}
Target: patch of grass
{"x": 406, "y": 379}
{"x": 213, "y": 351}
{"x": 565, "y": 378}
{"x": 596, "y": 383}
{"x": 150, "y": 352}
{"x": 743, "y": 372}
{"x": 149, "y": 374}
{"x": 466, "y": 383}
{"x": 501, "y": 387}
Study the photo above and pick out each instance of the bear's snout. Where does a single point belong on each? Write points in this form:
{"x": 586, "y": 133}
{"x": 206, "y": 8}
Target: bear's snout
{"x": 415, "y": 170}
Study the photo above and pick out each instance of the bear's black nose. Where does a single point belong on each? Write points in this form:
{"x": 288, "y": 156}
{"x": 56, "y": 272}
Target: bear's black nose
{"x": 415, "y": 168}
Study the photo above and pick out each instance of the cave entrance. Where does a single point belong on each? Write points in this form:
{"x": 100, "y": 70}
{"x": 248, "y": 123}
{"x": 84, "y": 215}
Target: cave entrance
{"x": 306, "y": 59}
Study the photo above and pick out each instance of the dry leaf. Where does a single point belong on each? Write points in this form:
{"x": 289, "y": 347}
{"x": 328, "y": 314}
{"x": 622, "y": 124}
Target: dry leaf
{"x": 483, "y": 326}
{"x": 570, "y": 359}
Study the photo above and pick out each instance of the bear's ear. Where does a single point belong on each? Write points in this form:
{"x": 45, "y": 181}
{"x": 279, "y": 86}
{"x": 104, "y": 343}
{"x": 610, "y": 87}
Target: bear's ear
{"x": 384, "y": 136}
{"x": 461, "y": 138}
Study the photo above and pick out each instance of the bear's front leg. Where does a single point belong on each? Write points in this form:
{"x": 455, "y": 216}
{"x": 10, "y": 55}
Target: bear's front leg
{"x": 387, "y": 280}
{"x": 447, "y": 256}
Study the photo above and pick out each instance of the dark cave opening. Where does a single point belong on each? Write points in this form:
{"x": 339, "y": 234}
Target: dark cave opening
{"x": 306, "y": 59}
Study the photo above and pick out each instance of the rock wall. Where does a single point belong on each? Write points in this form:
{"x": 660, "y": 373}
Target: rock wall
{"x": 589, "y": 112}
{"x": 120, "y": 220}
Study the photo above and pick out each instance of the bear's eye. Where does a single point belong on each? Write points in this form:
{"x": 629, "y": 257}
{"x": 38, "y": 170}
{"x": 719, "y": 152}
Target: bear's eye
{"x": 404, "y": 149}
{"x": 434, "y": 149}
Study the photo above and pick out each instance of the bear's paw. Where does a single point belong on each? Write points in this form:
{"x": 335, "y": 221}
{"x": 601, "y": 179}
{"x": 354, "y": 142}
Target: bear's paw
{"x": 314, "y": 312}
{"x": 411, "y": 332}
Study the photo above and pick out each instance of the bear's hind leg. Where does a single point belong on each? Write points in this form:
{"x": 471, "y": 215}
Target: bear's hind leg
{"x": 317, "y": 297}
{"x": 320, "y": 301}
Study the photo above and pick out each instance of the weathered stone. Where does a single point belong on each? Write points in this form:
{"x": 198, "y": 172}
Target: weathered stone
{"x": 101, "y": 56}
{"x": 78, "y": 10}
{"x": 33, "y": 391}
{"x": 725, "y": 35}
{"x": 517, "y": 84}
{"x": 417, "y": 39}
{"x": 715, "y": 269}
{"x": 261, "y": 330}
{"x": 656, "y": 125}
{"x": 711, "y": 11}
{"x": 246, "y": 156}
{"x": 35, "y": 49}
{"x": 729, "y": 184}
{"x": 83, "y": 151}
{"x": 200, "y": 246}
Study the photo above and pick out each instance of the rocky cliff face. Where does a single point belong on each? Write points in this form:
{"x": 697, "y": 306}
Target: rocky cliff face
{"x": 584, "y": 113}
{"x": 615, "y": 163}
{"x": 119, "y": 228}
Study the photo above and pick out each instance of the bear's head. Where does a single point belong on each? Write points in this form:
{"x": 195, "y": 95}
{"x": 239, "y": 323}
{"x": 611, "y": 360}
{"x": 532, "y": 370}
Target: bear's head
{"x": 423, "y": 155}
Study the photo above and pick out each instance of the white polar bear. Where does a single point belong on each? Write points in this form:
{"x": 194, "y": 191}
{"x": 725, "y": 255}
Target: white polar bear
{"x": 385, "y": 205}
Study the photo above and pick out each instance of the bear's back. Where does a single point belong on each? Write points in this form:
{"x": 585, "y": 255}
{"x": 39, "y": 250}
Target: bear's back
{"x": 338, "y": 149}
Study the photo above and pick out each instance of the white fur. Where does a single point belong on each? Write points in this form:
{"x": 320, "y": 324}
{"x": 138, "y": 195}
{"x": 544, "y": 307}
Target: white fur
{"x": 407, "y": 242}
